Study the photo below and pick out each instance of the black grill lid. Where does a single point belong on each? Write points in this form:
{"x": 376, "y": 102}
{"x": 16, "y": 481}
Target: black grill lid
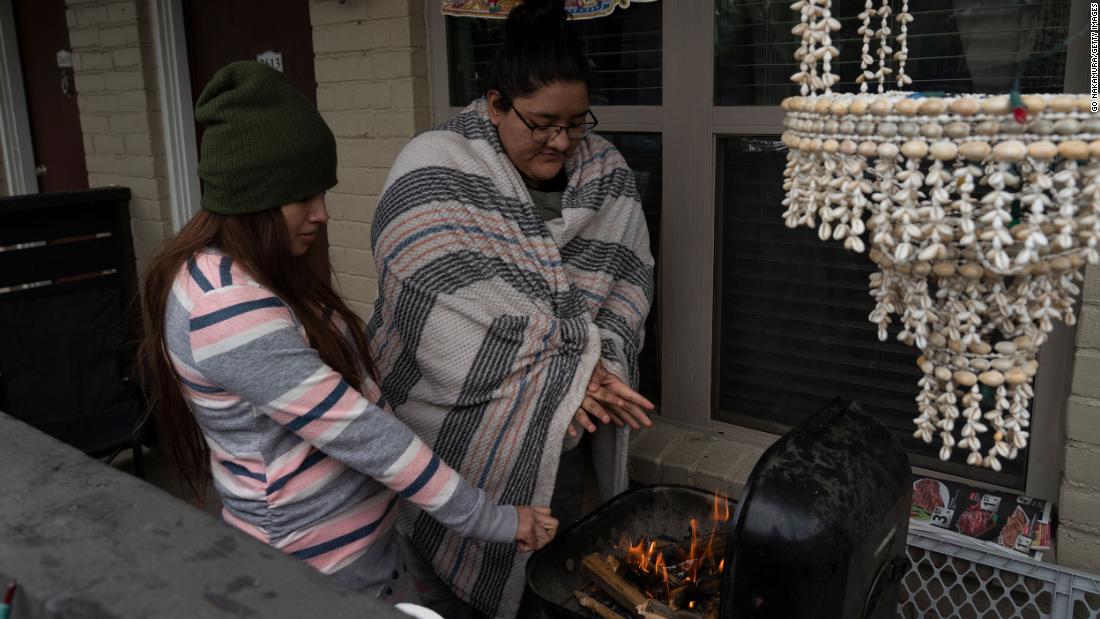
{"x": 821, "y": 526}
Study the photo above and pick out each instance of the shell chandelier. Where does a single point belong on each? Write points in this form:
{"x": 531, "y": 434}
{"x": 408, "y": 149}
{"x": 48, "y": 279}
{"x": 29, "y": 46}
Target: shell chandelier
{"x": 979, "y": 210}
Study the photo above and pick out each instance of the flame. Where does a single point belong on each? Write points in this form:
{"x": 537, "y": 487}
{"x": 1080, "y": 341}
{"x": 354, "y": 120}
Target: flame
{"x": 721, "y": 565}
{"x": 647, "y": 556}
{"x": 691, "y": 604}
{"x": 720, "y": 515}
{"x": 659, "y": 565}
{"x": 691, "y": 553}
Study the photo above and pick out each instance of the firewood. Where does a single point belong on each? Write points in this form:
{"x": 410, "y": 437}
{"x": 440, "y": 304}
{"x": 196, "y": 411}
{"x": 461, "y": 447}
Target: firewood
{"x": 588, "y": 602}
{"x": 611, "y": 583}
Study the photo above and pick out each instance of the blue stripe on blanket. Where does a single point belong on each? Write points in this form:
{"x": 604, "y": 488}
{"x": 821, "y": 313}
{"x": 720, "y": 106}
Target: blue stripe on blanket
{"x": 412, "y": 238}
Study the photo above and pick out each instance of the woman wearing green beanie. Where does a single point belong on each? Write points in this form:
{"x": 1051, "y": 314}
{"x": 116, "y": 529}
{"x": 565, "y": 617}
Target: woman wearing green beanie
{"x": 261, "y": 375}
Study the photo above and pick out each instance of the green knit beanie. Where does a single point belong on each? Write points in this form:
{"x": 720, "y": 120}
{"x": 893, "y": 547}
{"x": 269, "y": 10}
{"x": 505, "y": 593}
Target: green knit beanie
{"x": 264, "y": 143}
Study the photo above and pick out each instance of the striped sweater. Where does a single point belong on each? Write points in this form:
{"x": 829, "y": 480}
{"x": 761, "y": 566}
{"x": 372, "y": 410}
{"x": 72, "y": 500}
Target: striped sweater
{"x": 303, "y": 461}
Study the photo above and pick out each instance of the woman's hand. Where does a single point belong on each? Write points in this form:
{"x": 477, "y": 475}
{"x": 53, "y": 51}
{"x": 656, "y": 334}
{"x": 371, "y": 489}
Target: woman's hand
{"x": 536, "y": 527}
{"x": 611, "y": 400}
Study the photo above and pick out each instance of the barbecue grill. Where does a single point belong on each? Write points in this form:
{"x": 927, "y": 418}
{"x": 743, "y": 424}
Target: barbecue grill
{"x": 820, "y": 529}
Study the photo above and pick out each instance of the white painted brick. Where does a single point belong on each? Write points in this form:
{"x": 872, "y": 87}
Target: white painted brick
{"x": 350, "y": 37}
{"x": 324, "y": 13}
{"x": 1092, "y": 284}
{"x": 400, "y": 123}
{"x": 89, "y": 147}
{"x": 1088, "y": 326}
{"x": 91, "y": 15}
{"x": 407, "y": 32}
{"x": 349, "y": 234}
{"x": 353, "y": 96}
{"x": 133, "y": 33}
{"x": 132, "y": 122}
{"x": 70, "y": 18}
{"x": 410, "y": 93}
{"x": 104, "y": 164}
{"x": 381, "y": 9}
{"x": 120, "y": 12}
{"x": 108, "y": 144}
{"x": 351, "y": 124}
{"x": 352, "y": 206}
{"x": 138, "y": 144}
{"x": 97, "y": 102}
{"x": 1078, "y": 549}
{"x": 92, "y": 61}
{"x": 149, "y": 188}
{"x": 94, "y": 123}
{"x": 393, "y": 64}
{"x": 112, "y": 37}
{"x": 148, "y": 230}
{"x": 127, "y": 56}
{"x": 362, "y": 182}
{"x": 124, "y": 80}
{"x": 88, "y": 83}
{"x": 1083, "y": 420}
{"x": 137, "y": 101}
{"x": 142, "y": 208}
{"x": 368, "y": 153}
{"x": 1080, "y": 505}
{"x": 352, "y": 261}
{"x": 83, "y": 37}
{"x": 1083, "y": 467}
{"x": 343, "y": 68}
{"x": 1086, "y": 373}
{"x": 355, "y": 288}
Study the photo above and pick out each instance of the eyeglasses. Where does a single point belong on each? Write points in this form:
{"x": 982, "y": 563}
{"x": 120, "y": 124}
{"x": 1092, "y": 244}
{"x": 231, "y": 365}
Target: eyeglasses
{"x": 548, "y": 133}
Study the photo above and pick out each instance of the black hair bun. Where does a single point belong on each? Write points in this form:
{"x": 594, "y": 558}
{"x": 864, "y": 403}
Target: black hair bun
{"x": 534, "y": 16}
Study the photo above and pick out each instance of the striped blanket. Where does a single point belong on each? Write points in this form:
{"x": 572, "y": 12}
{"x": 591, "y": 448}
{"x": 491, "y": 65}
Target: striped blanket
{"x": 489, "y": 323}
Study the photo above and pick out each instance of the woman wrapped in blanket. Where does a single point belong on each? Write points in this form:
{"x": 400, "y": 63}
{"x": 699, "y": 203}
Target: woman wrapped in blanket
{"x": 515, "y": 277}
{"x": 261, "y": 372}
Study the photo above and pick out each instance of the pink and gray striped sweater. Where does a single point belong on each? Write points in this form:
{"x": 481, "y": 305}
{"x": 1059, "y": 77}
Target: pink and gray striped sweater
{"x": 304, "y": 461}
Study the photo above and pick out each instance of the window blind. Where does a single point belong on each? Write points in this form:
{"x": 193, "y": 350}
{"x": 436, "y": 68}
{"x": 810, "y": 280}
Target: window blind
{"x": 793, "y": 310}
{"x": 624, "y": 48}
{"x": 955, "y": 46}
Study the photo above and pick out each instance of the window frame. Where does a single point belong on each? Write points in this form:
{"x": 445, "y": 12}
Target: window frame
{"x": 690, "y": 125}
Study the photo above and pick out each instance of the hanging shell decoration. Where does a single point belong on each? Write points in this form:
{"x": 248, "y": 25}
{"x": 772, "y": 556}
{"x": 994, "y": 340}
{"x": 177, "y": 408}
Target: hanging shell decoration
{"x": 980, "y": 212}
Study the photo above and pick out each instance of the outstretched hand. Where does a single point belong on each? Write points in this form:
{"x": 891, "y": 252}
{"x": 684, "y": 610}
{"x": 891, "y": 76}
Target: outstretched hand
{"x": 536, "y": 527}
{"x": 609, "y": 399}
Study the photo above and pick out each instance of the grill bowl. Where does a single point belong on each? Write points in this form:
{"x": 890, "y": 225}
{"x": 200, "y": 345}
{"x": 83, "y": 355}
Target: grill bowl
{"x": 644, "y": 512}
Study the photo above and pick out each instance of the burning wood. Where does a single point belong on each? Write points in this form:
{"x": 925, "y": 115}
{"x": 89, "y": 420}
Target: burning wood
{"x": 663, "y": 578}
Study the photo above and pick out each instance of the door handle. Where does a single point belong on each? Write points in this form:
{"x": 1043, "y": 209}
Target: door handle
{"x": 40, "y": 169}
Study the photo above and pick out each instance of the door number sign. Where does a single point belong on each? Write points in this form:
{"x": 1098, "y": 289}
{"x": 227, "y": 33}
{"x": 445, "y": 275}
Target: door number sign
{"x": 272, "y": 59}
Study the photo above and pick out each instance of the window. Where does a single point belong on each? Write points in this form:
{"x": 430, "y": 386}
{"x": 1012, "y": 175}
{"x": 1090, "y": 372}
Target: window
{"x": 764, "y": 324}
{"x": 625, "y": 48}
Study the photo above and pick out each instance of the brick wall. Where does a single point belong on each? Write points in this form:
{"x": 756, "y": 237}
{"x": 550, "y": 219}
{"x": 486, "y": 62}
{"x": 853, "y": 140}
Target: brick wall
{"x": 372, "y": 89}
{"x": 1079, "y": 536}
{"x": 114, "y": 66}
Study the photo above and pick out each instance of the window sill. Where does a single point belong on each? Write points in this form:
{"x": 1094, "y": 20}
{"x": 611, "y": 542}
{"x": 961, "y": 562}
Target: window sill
{"x": 716, "y": 457}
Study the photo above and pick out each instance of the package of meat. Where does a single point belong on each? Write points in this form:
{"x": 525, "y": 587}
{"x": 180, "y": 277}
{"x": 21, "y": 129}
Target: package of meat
{"x": 1000, "y": 519}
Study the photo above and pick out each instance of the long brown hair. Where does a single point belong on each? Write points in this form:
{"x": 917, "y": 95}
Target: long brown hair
{"x": 259, "y": 243}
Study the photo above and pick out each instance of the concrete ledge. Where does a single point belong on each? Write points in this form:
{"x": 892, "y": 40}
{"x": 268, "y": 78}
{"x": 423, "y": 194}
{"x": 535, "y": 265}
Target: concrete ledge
{"x": 86, "y": 541}
{"x": 718, "y": 458}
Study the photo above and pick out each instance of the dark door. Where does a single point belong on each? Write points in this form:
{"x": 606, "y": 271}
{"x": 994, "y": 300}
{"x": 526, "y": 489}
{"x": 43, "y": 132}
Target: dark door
{"x": 51, "y": 95}
{"x": 221, "y": 31}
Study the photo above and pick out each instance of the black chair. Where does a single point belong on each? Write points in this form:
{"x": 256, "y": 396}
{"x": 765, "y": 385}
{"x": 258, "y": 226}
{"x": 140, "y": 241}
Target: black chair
{"x": 68, "y": 285}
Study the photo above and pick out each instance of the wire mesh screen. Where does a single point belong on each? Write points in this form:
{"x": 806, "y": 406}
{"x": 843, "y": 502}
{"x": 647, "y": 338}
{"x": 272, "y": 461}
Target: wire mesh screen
{"x": 949, "y": 579}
